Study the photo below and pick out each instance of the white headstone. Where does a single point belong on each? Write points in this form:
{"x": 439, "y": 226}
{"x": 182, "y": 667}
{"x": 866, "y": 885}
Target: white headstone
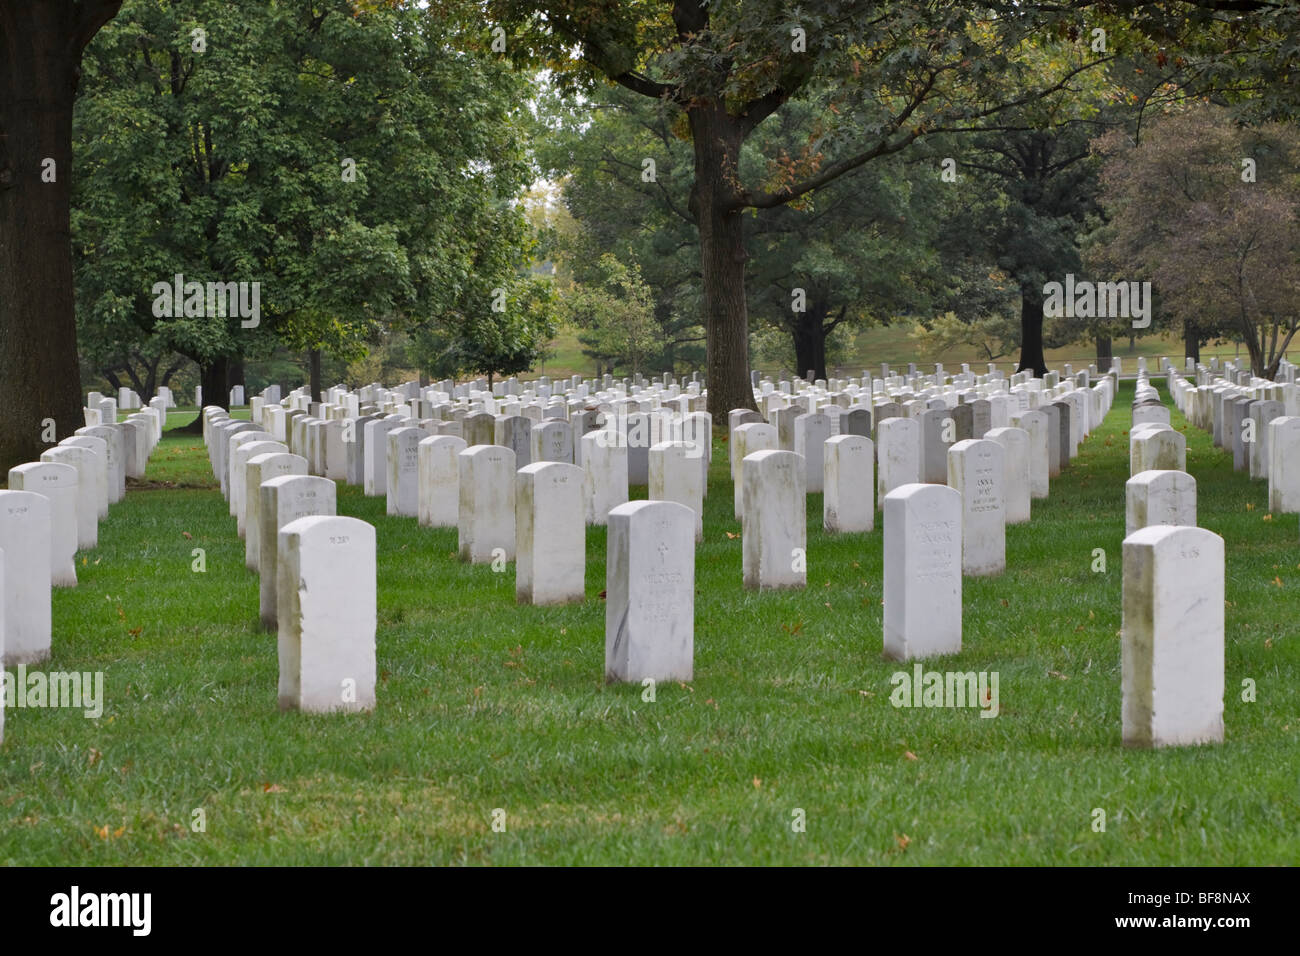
{"x": 975, "y": 470}
{"x": 403, "y": 484}
{"x": 675, "y": 475}
{"x": 286, "y": 499}
{"x": 486, "y": 517}
{"x": 922, "y": 574}
{"x": 774, "y": 532}
{"x": 1284, "y": 465}
{"x": 25, "y": 529}
{"x": 86, "y": 464}
{"x": 1173, "y": 645}
{"x": 810, "y": 434}
{"x": 1015, "y": 471}
{"x": 849, "y": 495}
{"x": 550, "y": 534}
{"x": 747, "y": 439}
{"x": 650, "y": 592}
{"x": 262, "y": 468}
{"x": 1159, "y": 498}
{"x": 1036, "y": 425}
{"x": 439, "y": 480}
{"x": 59, "y": 484}
{"x": 101, "y": 469}
{"x": 327, "y": 614}
{"x": 604, "y": 467}
{"x": 240, "y": 456}
{"x": 898, "y": 448}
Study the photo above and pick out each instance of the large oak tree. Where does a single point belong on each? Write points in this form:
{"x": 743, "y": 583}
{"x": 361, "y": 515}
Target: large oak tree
{"x": 896, "y": 72}
{"x": 41, "y": 42}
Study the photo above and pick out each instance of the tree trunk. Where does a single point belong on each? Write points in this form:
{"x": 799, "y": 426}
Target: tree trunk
{"x": 717, "y": 138}
{"x": 1031, "y": 332}
{"x": 1191, "y": 342}
{"x": 1104, "y": 354}
{"x": 212, "y": 379}
{"x": 313, "y": 365}
{"x": 40, "y": 64}
{"x": 235, "y": 374}
{"x": 810, "y": 340}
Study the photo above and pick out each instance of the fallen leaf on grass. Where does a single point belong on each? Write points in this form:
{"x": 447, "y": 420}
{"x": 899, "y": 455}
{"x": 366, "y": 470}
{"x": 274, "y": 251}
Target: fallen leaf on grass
{"x": 910, "y": 756}
{"x": 272, "y": 788}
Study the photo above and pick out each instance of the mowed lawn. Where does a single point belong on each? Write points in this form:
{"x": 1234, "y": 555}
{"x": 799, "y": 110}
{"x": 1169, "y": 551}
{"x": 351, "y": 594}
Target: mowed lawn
{"x": 484, "y": 705}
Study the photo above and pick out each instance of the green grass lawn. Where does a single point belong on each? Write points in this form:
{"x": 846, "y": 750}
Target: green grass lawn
{"x": 484, "y": 705}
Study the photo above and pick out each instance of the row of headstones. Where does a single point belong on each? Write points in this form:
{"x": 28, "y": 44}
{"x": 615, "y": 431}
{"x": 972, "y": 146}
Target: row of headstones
{"x": 1159, "y": 490}
{"x": 780, "y": 469}
{"x": 52, "y": 510}
{"x": 129, "y": 400}
{"x": 317, "y": 584}
{"x": 1257, "y": 420}
{"x": 546, "y": 522}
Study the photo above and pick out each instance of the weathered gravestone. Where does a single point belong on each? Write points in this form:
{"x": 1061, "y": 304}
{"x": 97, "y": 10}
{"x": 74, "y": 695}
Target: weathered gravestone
{"x": 975, "y": 471}
{"x": 550, "y": 534}
{"x": 1157, "y": 449}
{"x": 375, "y": 450}
{"x": 260, "y": 468}
{"x": 1159, "y": 498}
{"x": 938, "y": 432}
{"x": 25, "y": 530}
{"x": 515, "y": 432}
{"x": 898, "y": 450}
{"x": 403, "y": 482}
{"x": 774, "y": 533}
{"x": 674, "y": 475}
{"x": 103, "y": 470}
{"x": 241, "y": 455}
{"x": 1015, "y": 471}
{"x": 745, "y": 440}
{"x": 922, "y": 574}
{"x": 58, "y": 483}
{"x": 604, "y": 467}
{"x": 552, "y": 440}
{"x": 1284, "y": 465}
{"x": 650, "y": 593}
{"x": 810, "y": 434}
{"x": 1172, "y": 644}
{"x": 286, "y": 499}
{"x": 849, "y": 494}
{"x": 486, "y": 516}
{"x": 326, "y": 609}
{"x": 1035, "y": 424}
{"x": 439, "y": 481}
{"x": 83, "y": 461}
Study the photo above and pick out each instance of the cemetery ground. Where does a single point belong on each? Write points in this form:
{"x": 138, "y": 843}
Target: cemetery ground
{"x": 486, "y": 705}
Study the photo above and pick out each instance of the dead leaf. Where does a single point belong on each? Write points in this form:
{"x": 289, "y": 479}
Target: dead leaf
{"x": 272, "y": 788}
{"x": 187, "y": 535}
{"x": 910, "y": 756}
{"x": 757, "y": 783}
